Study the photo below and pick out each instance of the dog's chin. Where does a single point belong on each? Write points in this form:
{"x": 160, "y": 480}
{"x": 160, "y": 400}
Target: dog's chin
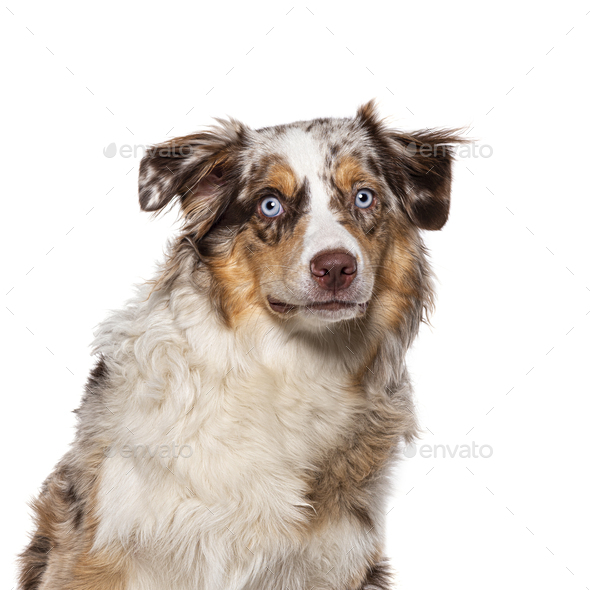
{"x": 334, "y": 310}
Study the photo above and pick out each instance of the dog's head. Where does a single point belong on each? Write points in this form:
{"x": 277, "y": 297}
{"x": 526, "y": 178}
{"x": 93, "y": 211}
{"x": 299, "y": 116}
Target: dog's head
{"x": 313, "y": 221}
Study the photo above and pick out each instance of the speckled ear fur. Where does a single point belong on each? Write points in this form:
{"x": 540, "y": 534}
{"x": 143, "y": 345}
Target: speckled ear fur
{"x": 425, "y": 160}
{"x": 195, "y": 169}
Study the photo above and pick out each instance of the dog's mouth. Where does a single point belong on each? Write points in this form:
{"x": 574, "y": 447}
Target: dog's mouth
{"x": 313, "y": 306}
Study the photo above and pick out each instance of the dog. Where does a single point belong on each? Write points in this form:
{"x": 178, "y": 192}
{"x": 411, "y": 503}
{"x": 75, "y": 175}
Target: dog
{"x": 239, "y": 428}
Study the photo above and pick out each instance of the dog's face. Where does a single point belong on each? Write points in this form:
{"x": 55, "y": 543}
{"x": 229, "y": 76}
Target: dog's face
{"x": 310, "y": 221}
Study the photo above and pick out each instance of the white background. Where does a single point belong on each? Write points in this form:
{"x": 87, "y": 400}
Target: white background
{"x": 505, "y": 363}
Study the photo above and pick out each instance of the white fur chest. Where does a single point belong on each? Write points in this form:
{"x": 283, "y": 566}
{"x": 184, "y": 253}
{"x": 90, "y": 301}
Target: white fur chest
{"x": 219, "y": 440}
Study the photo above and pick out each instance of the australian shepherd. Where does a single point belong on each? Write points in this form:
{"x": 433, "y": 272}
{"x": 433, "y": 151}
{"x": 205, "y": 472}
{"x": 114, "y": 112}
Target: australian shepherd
{"x": 240, "y": 425}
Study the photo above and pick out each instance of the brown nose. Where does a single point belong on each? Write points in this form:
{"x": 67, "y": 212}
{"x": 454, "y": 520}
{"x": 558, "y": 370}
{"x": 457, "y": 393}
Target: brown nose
{"x": 333, "y": 270}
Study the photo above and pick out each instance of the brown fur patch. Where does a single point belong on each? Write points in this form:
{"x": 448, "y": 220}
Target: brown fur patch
{"x": 272, "y": 265}
{"x": 350, "y": 173}
{"x": 60, "y": 554}
{"x": 60, "y": 549}
{"x": 234, "y": 289}
{"x": 400, "y": 286}
{"x": 34, "y": 561}
{"x": 378, "y": 577}
{"x": 368, "y": 225}
{"x": 340, "y": 485}
{"x": 282, "y": 178}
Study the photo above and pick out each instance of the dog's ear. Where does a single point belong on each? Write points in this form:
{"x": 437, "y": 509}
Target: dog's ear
{"x": 427, "y": 158}
{"x": 195, "y": 169}
{"x": 421, "y": 162}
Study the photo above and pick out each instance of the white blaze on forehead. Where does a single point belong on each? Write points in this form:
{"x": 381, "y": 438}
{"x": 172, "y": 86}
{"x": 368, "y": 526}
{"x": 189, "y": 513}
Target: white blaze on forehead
{"x": 324, "y": 232}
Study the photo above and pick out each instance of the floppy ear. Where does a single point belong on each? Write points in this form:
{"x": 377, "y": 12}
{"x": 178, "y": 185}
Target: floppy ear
{"x": 195, "y": 169}
{"x": 422, "y": 164}
{"x": 428, "y": 159}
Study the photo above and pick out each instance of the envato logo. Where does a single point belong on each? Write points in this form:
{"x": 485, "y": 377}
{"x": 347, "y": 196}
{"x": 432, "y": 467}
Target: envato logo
{"x": 173, "y": 451}
{"x": 139, "y": 150}
{"x": 472, "y": 451}
{"x": 468, "y": 150}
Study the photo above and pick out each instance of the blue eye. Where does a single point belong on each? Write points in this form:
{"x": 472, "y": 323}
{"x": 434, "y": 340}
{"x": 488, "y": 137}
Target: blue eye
{"x": 270, "y": 207}
{"x": 364, "y": 198}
